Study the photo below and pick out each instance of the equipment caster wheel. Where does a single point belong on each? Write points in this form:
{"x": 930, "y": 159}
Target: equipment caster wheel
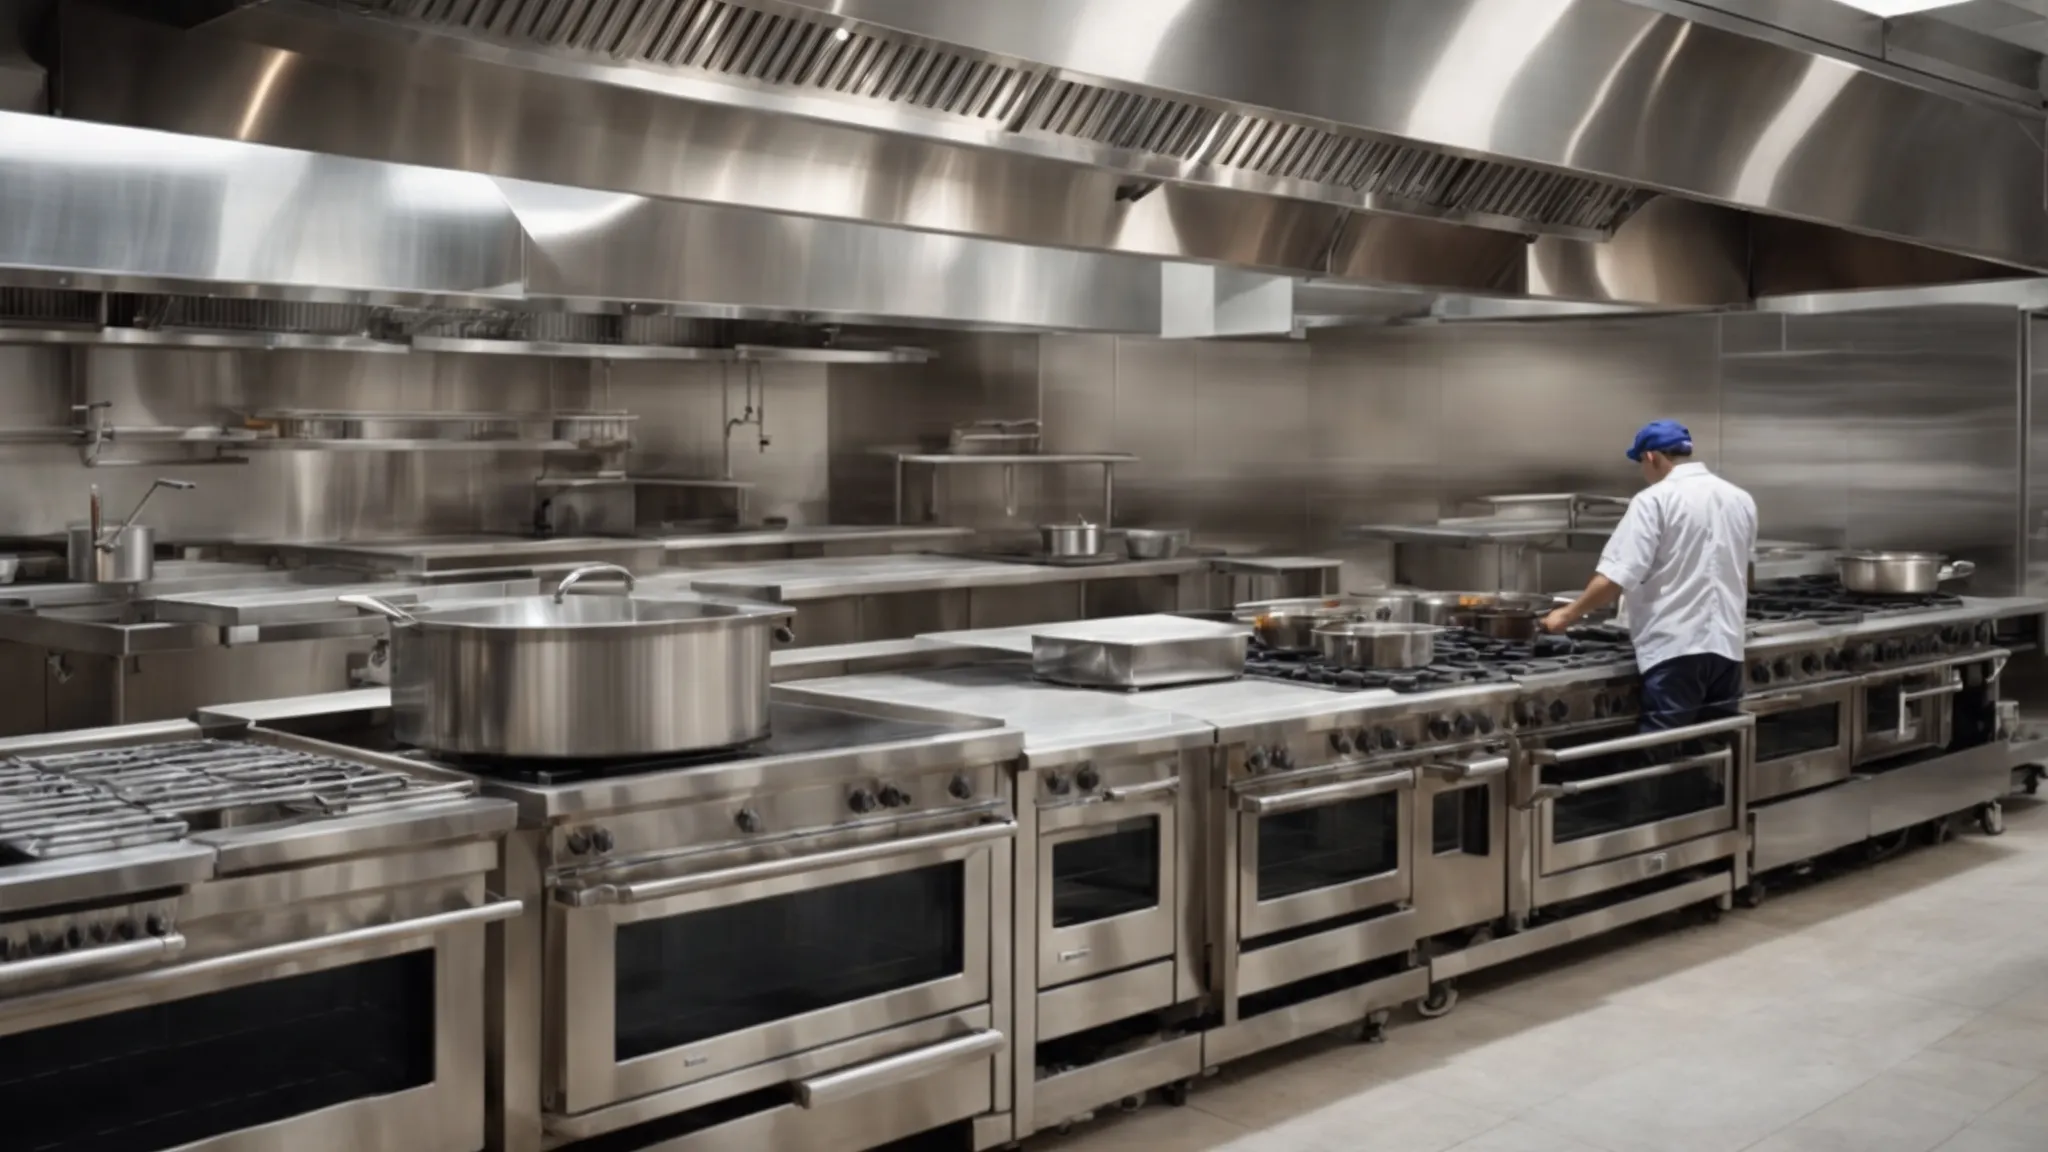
{"x": 1710, "y": 913}
{"x": 1753, "y": 894}
{"x": 1131, "y": 1103}
{"x": 1176, "y": 1093}
{"x": 1991, "y": 818}
{"x": 1373, "y": 1029}
{"x": 1441, "y": 999}
{"x": 2032, "y": 786}
{"x": 1937, "y": 832}
{"x": 1063, "y": 1127}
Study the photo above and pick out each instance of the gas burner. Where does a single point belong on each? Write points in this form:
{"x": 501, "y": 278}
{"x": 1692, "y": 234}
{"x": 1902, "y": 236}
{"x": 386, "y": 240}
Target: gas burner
{"x": 1823, "y": 600}
{"x": 1462, "y": 657}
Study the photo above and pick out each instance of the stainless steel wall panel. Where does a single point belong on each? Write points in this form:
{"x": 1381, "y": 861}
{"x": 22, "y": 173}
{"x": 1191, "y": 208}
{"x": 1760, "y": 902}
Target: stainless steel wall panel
{"x": 2034, "y": 428}
{"x": 681, "y": 430}
{"x": 1887, "y": 430}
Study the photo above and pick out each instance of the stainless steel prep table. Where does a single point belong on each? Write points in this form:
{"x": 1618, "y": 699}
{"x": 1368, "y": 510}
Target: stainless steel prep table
{"x": 848, "y": 599}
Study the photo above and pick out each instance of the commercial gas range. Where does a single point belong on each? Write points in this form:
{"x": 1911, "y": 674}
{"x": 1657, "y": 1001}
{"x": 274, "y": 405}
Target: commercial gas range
{"x": 802, "y": 944}
{"x": 1109, "y": 929}
{"x": 222, "y": 938}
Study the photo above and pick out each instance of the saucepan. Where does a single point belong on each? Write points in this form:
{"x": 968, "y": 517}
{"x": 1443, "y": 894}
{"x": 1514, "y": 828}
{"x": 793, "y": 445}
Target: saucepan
{"x": 1071, "y": 541}
{"x": 1898, "y": 573}
{"x": 1440, "y": 607}
{"x": 1371, "y": 644}
{"x": 1291, "y": 624}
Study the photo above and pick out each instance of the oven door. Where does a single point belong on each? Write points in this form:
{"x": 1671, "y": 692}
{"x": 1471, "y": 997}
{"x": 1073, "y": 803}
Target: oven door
{"x": 1612, "y": 792}
{"x": 366, "y": 1038}
{"x": 1309, "y": 852}
{"x": 671, "y": 980}
{"x": 1907, "y": 710}
{"x": 1804, "y": 738}
{"x": 1107, "y": 889}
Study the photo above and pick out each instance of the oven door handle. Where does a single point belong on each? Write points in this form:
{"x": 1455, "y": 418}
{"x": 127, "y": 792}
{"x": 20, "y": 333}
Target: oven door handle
{"x": 1772, "y": 705}
{"x": 834, "y": 1087}
{"x": 1903, "y": 730}
{"x": 1301, "y": 798}
{"x": 1458, "y": 770}
{"x": 272, "y": 954}
{"x": 1544, "y": 792}
{"x": 640, "y": 891}
{"x": 85, "y": 960}
{"x": 1140, "y": 791}
{"x": 1642, "y": 740}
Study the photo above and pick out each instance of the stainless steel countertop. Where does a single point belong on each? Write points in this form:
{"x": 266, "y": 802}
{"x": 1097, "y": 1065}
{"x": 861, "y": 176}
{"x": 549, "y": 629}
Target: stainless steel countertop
{"x": 441, "y": 554}
{"x": 1060, "y": 724}
{"x": 832, "y": 577}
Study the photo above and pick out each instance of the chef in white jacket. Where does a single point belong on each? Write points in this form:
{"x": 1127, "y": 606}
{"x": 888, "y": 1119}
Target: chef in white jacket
{"x": 1682, "y": 555}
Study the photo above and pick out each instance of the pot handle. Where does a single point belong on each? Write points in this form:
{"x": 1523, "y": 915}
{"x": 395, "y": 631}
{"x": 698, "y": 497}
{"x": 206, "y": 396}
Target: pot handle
{"x": 1955, "y": 571}
{"x": 389, "y": 611}
{"x": 589, "y": 571}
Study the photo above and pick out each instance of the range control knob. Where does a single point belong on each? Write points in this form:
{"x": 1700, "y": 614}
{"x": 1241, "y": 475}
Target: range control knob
{"x": 1258, "y": 760}
{"x": 602, "y": 839}
{"x": 1987, "y": 632}
{"x": 1809, "y": 664}
{"x": 1528, "y": 711}
{"x": 37, "y": 945}
{"x": 747, "y": 820}
{"x": 1465, "y": 725}
{"x": 1340, "y": 743}
{"x": 860, "y": 801}
{"x": 1058, "y": 784}
{"x": 1485, "y": 723}
{"x": 127, "y": 929}
{"x": 1439, "y": 728}
{"x": 1781, "y": 668}
{"x": 893, "y": 797}
{"x": 1389, "y": 739}
{"x": 157, "y": 926}
{"x": 1600, "y": 705}
{"x": 98, "y": 933}
{"x": 6, "y": 949}
{"x": 1832, "y": 661}
{"x": 1087, "y": 778}
{"x": 578, "y": 842}
{"x": 1283, "y": 758}
{"x": 1559, "y": 710}
{"x": 74, "y": 937}
{"x": 1760, "y": 673}
{"x": 960, "y": 788}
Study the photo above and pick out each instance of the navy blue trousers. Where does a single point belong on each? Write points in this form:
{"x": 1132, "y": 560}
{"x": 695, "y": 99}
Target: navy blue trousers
{"x": 1690, "y": 689}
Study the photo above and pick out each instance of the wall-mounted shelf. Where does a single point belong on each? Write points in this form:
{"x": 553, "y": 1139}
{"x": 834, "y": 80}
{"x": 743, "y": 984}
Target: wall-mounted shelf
{"x": 482, "y": 347}
{"x": 393, "y": 431}
{"x": 1107, "y": 461}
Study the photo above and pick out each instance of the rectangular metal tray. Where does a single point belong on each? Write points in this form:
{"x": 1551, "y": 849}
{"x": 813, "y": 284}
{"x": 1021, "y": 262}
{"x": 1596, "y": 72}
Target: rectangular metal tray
{"x": 1131, "y": 652}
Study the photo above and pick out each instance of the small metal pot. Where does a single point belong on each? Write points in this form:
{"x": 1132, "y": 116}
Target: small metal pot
{"x": 1439, "y": 607}
{"x": 1154, "y": 543}
{"x": 128, "y": 558}
{"x": 1500, "y": 623}
{"x": 1070, "y": 540}
{"x": 1290, "y": 625}
{"x": 1382, "y": 607}
{"x": 1898, "y": 573}
{"x": 1370, "y": 644}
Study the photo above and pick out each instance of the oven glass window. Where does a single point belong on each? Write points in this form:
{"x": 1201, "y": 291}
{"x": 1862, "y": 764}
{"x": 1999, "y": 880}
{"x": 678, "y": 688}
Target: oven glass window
{"x": 1798, "y": 732}
{"x": 686, "y": 978}
{"x": 1112, "y": 874}
{"x": 1329, "y": 844}
{"x": 188, "y": 1070}
{"x": 1648, "y": 801}
{"x": 1881, "y": 711}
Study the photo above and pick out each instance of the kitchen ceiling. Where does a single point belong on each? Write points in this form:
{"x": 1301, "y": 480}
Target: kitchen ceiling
{"x": 2020, "y": 22}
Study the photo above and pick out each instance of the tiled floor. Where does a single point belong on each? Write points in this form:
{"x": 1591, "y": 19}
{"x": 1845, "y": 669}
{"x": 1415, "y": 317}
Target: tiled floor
{"x": 1899, "y": 1008}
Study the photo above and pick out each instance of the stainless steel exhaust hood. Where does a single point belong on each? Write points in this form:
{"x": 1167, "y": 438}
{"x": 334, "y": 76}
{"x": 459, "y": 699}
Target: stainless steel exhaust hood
{"x": 1586, "y": 150}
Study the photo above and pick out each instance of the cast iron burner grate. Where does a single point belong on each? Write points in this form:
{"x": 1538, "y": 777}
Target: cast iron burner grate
{"x": 1823, "y": 600}
{"x": 1462, "y": 657}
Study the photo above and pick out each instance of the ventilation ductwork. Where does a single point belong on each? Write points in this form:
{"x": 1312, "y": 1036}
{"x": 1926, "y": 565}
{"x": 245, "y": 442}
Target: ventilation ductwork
{"x": 805, "y": 53}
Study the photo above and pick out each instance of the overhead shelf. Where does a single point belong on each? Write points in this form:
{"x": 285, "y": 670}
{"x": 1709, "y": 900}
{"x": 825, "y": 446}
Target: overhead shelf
{"x": 1107, "y": 461}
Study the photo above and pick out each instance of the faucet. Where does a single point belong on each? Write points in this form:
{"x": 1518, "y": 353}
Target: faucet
{"x": 754, "y": 393}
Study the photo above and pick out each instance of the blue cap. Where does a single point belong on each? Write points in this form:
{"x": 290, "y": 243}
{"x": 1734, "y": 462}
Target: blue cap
{"x": 1660, "y": 436}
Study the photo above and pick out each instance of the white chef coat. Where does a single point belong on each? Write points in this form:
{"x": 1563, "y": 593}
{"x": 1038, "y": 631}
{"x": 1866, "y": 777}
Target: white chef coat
{"x": 1682, "y": 554}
